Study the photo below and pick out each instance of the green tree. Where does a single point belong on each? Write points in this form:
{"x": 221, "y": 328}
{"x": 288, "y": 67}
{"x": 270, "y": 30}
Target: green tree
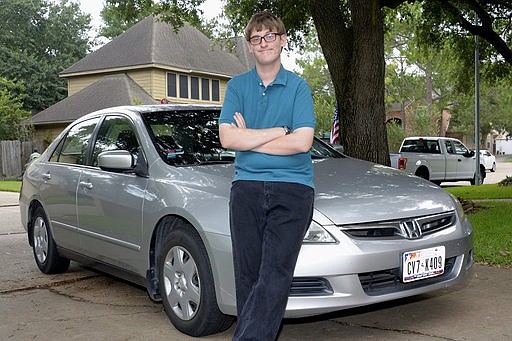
{"x": 351, "y": 34}
{"x": 447, "y": 66}
{"x": 12, "y": 114}
{"x": 120, "y": 15}
{"x": 315, "y": 71}
{"x": 39, "y": 39}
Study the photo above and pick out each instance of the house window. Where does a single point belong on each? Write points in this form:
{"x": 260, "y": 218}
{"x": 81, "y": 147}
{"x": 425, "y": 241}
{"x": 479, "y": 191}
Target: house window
{"x": 183, "y": 86}
{"x": 205, "y": 89}
{"x": 215, "y": 90}
{"x": 194, "y": 87}
{"x": 171, "y": 85}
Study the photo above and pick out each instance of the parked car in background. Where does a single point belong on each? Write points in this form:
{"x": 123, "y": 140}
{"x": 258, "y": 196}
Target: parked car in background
{"x": 438, "y": 159}
{"x": 143, "y": 191}
{"x": 488, "y": 160}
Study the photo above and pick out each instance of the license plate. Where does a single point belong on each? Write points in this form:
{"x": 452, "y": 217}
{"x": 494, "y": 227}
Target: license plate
{"x": 421, "y": 264}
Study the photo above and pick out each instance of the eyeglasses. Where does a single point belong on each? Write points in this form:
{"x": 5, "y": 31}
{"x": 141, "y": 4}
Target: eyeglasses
{"x": 269, "y": 37}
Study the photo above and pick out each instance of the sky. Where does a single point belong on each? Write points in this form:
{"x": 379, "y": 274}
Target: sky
{"x": 211, "y": 8}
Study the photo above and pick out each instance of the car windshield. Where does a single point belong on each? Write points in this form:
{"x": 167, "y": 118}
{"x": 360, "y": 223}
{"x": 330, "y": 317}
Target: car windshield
{"x": 184, "y": 138}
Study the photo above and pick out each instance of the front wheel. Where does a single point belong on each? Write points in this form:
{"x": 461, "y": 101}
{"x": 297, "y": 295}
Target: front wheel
{"x": 46, "y": 255}
{"x": 481, "y": 177}
{"x": 186, "y": 285}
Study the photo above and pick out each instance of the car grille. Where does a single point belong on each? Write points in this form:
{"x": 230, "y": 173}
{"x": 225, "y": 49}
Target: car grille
{"x": 388, "y": 281}
{"x": 310, "y": 286}
{"x": 412, "y": 228}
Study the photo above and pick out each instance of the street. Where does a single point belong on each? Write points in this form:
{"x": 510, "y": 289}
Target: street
{"x": 86, "y": 305}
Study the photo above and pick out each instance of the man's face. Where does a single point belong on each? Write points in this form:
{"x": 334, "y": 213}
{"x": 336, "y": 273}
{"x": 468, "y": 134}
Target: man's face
{"x": 267, "y": 51}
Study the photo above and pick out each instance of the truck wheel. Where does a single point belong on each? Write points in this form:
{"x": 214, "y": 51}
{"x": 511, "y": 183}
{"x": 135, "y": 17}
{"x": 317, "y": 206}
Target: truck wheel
{"x": 186, "y": 285}
{"x": 423, "y": 173}
{"x": 493, "y": 168}
{"x": 481, "y": 178}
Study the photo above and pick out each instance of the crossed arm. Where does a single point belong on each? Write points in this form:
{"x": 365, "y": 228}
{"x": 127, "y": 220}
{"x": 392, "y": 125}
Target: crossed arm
{"x": 272, "y": 141}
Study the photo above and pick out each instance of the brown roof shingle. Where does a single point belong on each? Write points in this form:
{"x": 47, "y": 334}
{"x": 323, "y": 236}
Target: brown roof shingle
{"x": 151, "y": 42}
{"x": 107, "y": 92}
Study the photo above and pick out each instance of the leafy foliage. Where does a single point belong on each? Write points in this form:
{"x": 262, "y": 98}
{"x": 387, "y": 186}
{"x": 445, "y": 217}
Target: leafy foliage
{"x": 11, "y": 112}
{"x": 438, "y": 35}
{"x": 39, "y": 39}
{"x": 120, "y": 15}
{"x": 315, "y": 71}
{"x": 506, "y": 182}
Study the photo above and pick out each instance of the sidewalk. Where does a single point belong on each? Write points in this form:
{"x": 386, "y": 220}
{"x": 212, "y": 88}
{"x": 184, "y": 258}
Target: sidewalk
{"x": 9, "y": 199}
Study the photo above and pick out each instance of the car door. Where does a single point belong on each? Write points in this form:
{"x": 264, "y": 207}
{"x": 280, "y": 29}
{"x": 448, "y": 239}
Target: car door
{"x": 109, "y": 204}
{"x": 452, "y": 160}
{"x": 60, "y": 176}
{"x": 466, "y": 163}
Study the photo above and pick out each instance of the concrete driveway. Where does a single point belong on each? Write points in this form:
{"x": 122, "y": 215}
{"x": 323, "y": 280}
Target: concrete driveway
{"x": 86, "y": 305}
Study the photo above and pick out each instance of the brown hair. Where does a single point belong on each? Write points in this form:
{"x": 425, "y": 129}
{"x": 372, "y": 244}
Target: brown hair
{"x": 264, "y": 20}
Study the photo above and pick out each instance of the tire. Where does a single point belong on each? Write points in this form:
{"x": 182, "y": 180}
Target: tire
{"x": 186, "y": 285}
{"x": 423, "y": 173}
{"x": 493, "y": 168}
{"x": 481, "y": 178}
{"x": 43, "y": 245}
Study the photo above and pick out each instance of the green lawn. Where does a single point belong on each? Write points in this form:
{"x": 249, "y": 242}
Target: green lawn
{"x": 492, "y": 224}
{"x": 10, "y": 185}
{"x": 482, "y": 192}
{"x": 492, "y": 221}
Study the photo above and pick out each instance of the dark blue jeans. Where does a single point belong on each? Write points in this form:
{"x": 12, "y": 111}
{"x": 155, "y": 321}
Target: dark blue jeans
{"x": 268, "y": 222}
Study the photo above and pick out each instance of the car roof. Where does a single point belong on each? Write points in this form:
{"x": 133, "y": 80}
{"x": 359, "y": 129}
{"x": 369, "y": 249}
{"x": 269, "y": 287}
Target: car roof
{"x": 142, "y": 109}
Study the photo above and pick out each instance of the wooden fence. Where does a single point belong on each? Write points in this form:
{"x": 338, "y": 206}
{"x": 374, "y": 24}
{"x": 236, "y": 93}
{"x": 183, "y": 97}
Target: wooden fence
{"x": 13, "y": 157}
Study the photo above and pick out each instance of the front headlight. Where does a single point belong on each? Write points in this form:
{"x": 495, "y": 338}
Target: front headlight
{"x": 458, "y": 206}
{"x": 317, "y": 234}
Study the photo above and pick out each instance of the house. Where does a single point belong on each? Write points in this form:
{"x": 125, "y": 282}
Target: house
{"x": 146, "y": 64}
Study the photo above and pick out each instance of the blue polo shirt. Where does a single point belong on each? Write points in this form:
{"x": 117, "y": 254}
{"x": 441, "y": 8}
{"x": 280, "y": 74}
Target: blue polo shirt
{"x": 285, "y": 101}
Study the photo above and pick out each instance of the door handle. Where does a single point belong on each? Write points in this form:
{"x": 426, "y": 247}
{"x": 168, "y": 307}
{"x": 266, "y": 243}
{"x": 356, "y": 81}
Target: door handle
{"x": 86, "y": 185}
{"x": 47, "y": 176}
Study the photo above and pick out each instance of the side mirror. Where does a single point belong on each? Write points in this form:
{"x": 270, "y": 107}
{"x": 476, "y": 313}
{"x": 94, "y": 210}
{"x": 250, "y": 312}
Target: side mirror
{"x": 115, "y": 160}
{"x": 469, "y": 153}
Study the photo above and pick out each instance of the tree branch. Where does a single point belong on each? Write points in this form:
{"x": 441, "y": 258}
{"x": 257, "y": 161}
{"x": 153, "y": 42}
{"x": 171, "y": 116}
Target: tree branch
{"x": 485, "y": 30}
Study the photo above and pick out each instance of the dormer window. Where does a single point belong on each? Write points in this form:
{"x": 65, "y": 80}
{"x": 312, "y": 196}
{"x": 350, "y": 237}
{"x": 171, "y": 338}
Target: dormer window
{"x": 194, "y": 88}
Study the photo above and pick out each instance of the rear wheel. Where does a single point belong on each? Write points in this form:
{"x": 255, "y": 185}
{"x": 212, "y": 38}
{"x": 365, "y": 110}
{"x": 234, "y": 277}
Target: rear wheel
{"x": 493, "y": 168}
{"x": 44, "y": 247}
{"x": 423, "y": 173}
{"x": 186, "y": 285}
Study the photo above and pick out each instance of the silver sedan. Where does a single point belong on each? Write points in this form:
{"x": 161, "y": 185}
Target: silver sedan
{"x": 142, "y": 192}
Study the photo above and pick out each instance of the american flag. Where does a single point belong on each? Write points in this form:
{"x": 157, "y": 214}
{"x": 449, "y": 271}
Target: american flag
{"x": 335, "y": 128}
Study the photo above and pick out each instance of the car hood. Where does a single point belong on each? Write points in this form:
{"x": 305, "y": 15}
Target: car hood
{"x": 350, "y": 191}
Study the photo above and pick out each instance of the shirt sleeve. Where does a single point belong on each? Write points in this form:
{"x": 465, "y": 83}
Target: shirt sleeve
{"x": 304, "y": 111}
{"x": 231, "y": 105}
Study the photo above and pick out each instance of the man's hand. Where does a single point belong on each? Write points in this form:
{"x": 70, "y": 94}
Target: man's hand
{"x": 239, "y": 119}
{"x": 237, "y": 136}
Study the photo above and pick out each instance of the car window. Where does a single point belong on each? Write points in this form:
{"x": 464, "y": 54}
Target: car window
{"x": 73, "y": 148}
{"x": 421, "y": 146}
{"x": 460, "y": 149}
{"x": 449, "y": 147}
{"x": 187, "y": 137}
{"x": 116, "y": 133}
{"x": 191, "y": 137}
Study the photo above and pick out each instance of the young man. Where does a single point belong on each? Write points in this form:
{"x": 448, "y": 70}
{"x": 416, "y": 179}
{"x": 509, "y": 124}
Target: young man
{"x": 268, "y": 118}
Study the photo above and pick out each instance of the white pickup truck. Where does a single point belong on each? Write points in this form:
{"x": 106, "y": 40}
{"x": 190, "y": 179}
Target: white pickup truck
{"x": 438, "y": 159}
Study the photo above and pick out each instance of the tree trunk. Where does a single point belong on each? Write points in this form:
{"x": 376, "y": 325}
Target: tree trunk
{"x": 355, "y": 57}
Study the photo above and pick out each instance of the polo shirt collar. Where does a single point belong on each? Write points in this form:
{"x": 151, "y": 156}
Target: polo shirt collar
{"x": 281, "y": 77}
